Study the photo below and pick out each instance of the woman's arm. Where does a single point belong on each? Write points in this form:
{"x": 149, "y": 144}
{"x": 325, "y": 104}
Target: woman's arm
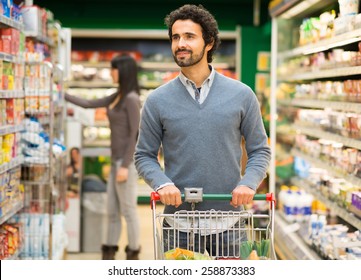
{"x": 90, "y": 103}
{"x": 133, "y": 112}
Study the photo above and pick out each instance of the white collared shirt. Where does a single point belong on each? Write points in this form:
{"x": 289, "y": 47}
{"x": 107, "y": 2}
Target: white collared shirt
{"x": 191, "y": 86}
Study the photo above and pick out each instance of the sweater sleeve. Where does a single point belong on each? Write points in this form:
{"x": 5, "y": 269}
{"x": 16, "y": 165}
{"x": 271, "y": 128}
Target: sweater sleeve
{"x": 90, "y": 103}
{"x": 146, "y": 152}
{"x": 133, "y": 112}
{"x": 258, "y": 150}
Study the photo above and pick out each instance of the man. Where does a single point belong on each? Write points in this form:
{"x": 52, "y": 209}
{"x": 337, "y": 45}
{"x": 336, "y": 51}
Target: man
{"x": 199, "y": 119}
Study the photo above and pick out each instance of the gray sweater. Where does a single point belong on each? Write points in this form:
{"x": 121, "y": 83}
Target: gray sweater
{"x": 202, "y": 142}
{"x": 124, "y": 121}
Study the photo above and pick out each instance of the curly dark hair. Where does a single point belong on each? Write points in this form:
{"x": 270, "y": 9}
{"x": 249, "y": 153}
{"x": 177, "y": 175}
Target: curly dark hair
{"x": 201, "y": 16}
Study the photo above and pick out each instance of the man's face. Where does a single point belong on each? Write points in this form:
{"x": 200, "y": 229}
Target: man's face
{"x": 188, "y": 46}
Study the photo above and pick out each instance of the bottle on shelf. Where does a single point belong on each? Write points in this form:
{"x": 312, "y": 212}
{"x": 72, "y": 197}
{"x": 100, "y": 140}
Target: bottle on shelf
{"x": 281, "y": 197}
{"x": 290, "y": 202}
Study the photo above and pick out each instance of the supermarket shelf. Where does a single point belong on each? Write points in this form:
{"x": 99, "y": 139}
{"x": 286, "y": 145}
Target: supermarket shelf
{"x": 30, "y": 161}
{"x": 327, "y": 166}
{"x": 8, "y": 129}
{"x": 285, "y": 129}
{"x": 10, "y": 58}
{"x": 322, "y": 104}
{"x": 10, "y": 165}
{"x": 40, "y": 92}
{"x": 150, "y": 84}
{"x": 35, "y": 183}
{"x": 171, "y": 66}
{"x": 323, "y": 74}
{"x": 8, "y": 22}
{"x": 12, "y": 212}
{"x": 91, "y": 84}
{"x": 37, "y": 111}
{"x": 40, "y": 38}
{"x": 339, "y": 211}
{"x": 96, "y": 64}
{"x": 12, "y": 93}
{"x": 290, "y": 243}
{"x": 297, "y": 8}
{"x": 97, "y": 143}
{"x": 325, "y": 44}
{"x": 93, "y": 152}
{"x": 318, "y": 133}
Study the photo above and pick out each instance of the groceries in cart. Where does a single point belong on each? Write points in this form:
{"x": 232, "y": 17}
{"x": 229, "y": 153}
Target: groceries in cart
{"x": 213, "y": 234}
{"x": 256, "y": 250}
{"x": 183, "y": 254}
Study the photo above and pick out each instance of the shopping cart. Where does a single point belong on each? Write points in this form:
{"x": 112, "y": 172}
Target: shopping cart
{"x": 213, "y": 234}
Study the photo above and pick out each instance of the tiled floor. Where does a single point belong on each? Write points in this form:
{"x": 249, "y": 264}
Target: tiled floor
{"x": 146, "y": 238}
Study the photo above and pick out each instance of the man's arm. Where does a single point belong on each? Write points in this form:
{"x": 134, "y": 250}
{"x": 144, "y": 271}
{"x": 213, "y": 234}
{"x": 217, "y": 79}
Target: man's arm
{"x": 258, "y": 152}
{"x": 149, "y": 141}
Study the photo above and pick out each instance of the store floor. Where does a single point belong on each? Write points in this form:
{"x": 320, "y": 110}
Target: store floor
{"x": 146, "y": 238}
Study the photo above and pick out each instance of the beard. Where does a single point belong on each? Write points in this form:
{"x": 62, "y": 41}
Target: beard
{"x": 192, "y": 60}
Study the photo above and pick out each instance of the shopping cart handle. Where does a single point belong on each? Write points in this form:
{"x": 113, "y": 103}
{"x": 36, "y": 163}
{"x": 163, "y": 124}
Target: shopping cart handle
{"x": 154, "y": 196}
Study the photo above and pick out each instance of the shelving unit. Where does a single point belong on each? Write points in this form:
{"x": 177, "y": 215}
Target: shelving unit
{"x": 12, "y": 99}
{"x": 287, "y": 19}
{"x": 44, "y": 165}
{"x": 44, "y": 178}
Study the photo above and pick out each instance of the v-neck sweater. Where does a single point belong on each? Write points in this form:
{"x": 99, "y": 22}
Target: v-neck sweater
{"x": 201, "y": 143}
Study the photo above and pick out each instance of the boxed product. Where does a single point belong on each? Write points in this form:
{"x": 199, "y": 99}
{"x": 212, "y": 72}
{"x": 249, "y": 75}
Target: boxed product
{"x": 10, "y": 110}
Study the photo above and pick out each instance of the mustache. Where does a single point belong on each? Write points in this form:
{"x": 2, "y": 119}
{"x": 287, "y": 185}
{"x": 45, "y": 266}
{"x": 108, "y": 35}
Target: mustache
{"x": 182, "y": 50}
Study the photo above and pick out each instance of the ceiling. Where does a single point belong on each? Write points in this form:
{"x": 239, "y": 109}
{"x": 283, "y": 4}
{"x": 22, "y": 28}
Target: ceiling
{"x": 150, "y": 13}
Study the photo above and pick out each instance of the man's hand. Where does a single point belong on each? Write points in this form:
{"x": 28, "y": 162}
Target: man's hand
{"x": 242, "y": 195}
{"x": 122, "y": 174}
{"x": 170, "y": 195}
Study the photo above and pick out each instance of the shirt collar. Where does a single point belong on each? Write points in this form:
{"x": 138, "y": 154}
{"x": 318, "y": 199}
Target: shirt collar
{"x": 186, "y": 82}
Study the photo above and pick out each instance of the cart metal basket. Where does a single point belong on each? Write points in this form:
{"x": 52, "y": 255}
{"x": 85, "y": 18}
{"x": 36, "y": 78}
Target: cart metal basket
{"x": 213, "y": 234}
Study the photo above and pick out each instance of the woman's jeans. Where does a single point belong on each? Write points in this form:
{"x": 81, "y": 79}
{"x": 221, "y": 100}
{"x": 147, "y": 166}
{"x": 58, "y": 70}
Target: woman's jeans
{"x": 122, "y": 201}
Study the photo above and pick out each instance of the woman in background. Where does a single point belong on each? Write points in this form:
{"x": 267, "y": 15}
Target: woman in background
{"x": 123, "y": 112}
{"x": 72, "y": 170}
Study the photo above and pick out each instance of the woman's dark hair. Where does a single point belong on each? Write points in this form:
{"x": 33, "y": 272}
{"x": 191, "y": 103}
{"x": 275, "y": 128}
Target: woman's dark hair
{"x": 201, "y": 16}
{"x": 127, "y": 73}
{"x": 72, "y": 162}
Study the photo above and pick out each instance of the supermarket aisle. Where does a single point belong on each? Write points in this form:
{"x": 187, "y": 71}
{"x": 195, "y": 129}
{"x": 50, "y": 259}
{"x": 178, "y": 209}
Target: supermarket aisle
{"x": 146, "y": 236}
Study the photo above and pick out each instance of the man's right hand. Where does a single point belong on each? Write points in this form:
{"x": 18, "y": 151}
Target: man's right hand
{"x": 170, "y": 195}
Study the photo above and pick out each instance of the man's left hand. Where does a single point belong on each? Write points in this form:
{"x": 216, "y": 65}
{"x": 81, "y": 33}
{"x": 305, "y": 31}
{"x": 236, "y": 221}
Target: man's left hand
{"x": 242, "y": 195}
